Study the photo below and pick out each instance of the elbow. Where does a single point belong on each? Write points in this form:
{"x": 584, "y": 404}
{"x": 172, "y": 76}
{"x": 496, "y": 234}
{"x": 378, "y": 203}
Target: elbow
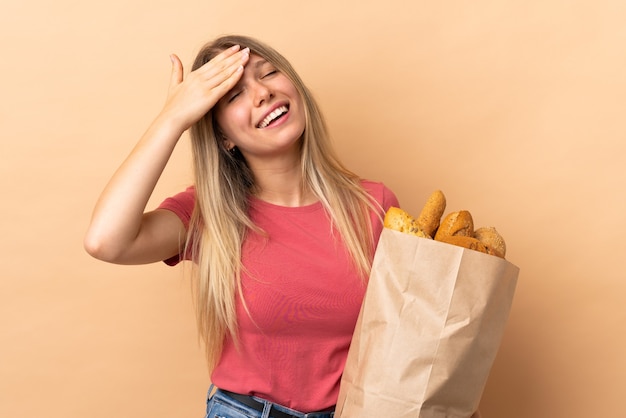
{"x": 100, "y": 248}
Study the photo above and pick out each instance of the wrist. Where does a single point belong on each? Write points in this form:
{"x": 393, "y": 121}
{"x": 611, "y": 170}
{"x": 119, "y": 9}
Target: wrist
{"x": 169, "y": 126}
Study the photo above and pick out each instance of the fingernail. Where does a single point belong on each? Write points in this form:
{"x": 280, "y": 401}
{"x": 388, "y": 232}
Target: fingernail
{"x": 245, "y": 54}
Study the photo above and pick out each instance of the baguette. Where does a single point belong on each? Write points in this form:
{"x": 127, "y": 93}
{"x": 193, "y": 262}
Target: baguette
{"x": 430, "y": 216}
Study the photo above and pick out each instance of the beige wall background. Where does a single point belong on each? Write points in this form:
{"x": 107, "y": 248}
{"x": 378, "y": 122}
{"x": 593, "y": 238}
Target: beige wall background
{"x": 514, "y": 109}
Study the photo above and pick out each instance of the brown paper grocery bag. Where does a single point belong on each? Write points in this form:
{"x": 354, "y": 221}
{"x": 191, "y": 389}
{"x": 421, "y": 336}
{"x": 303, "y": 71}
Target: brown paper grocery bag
{"x": 428, "y": 332}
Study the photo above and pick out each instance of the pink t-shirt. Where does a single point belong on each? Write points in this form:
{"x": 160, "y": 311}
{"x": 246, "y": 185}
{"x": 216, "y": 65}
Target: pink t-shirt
{"x": 303, "y": 296}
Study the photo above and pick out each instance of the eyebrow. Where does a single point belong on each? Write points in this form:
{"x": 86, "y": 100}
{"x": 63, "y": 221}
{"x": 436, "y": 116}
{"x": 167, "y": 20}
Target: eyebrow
{"x": 261, "y": 63}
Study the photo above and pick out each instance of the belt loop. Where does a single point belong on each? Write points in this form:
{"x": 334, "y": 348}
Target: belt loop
{"x": 267, "y": 408}
{"x": 211, "y": 392}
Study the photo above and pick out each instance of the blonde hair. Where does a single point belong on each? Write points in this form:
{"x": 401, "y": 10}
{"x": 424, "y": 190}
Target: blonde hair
{"x": 224, "y": 183}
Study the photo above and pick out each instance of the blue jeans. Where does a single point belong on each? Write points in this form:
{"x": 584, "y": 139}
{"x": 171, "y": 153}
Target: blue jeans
{"x": 220, "y": 405}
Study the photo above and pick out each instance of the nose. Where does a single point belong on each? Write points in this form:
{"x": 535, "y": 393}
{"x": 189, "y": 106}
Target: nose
{"x": 261, "y": 94}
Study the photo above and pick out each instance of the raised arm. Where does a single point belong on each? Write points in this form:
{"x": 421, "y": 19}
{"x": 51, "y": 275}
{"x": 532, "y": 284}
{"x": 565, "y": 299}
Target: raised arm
{"x": 120, "y": 232}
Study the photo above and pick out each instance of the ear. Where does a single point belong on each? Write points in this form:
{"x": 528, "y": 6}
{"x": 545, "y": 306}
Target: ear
{"x": 228, "y": 144}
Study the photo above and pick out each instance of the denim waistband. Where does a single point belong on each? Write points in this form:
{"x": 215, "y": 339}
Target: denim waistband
{"x": 261, "y": 408}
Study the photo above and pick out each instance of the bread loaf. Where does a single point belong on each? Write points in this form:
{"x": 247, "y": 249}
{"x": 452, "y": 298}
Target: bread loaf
{"x": 458, "y": 223}
{"x": 492, "y": 240}
{"x": 430, "y": 216}
{"x": 456, "y": 228}
{"x": 400, "y": 220}
{"x": 466, "y": 242}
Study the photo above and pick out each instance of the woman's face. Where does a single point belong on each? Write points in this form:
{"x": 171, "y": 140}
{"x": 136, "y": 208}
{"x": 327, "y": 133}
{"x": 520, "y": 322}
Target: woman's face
{"x": 263, "y": 115}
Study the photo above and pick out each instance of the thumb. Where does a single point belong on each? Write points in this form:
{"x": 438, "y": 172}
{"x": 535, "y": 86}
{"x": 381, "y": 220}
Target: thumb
{"x": 177, "y": 70}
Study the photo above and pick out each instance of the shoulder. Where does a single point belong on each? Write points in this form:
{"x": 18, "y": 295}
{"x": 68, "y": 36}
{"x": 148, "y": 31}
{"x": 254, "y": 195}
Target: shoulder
{"x": 381, "y": 193}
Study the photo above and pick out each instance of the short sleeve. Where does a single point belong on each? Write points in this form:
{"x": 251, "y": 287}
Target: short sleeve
{"x": 182, "y": 204}
{"x": 385, "y": 198}
{"x": 389, "y": 198}
{"x": 382, "y": 194}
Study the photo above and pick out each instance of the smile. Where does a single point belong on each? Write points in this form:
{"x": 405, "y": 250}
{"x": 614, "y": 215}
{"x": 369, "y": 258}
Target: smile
{"x": 274, "y": 115}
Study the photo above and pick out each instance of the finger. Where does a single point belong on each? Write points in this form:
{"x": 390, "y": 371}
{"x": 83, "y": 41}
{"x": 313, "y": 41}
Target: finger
{"x": 230, "y": 72}
{"x": 224, "y": 63}
{"x": 236, "y": 72}
{"x": 223, "y": 55}
{"x": 218, "y": 60}
{"x": 177, "y": 70}
{"x": 227, "y": 80}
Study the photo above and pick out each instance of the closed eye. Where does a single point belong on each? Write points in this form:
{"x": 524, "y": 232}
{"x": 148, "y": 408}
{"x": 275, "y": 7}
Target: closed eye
{"x": 233, "y": 96}
{"x": 270, "y": 73}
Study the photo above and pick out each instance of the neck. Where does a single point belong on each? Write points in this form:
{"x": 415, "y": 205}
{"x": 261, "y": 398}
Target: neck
{"x": 280, "y": 183}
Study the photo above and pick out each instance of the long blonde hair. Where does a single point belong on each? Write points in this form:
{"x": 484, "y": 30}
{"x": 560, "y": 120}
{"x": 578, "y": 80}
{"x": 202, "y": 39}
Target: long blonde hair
{"x": 224, "y": 183}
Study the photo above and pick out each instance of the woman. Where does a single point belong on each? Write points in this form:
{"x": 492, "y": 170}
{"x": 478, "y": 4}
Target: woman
{"x": 281, "y": 235}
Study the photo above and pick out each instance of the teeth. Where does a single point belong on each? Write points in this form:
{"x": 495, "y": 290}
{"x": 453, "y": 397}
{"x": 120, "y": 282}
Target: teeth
{"x": 269, "y": 118}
